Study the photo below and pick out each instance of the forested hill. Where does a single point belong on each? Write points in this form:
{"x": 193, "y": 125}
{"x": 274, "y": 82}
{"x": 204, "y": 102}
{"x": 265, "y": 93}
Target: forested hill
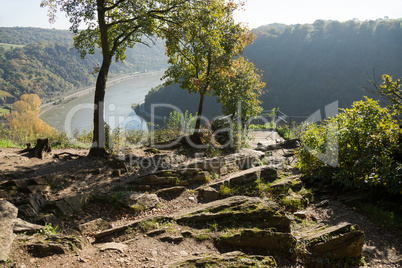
{"x": 34, "y": 60}
{"x": 309, "y": 66}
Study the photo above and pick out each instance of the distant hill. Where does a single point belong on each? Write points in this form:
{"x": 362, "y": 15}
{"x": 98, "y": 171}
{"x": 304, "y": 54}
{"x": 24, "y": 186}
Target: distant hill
{"x": 309, "y": 66}
{"x": 34, "y": 60}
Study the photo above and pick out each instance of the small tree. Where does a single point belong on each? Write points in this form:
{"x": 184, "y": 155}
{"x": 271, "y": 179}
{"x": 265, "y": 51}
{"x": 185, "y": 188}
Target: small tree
{"x": 113, "y": 26}
{"x": 25, "y": 123}
{"x": 203, "y": 46}
{"x": 238, "y": 89}
{"x": 390, "y": 90}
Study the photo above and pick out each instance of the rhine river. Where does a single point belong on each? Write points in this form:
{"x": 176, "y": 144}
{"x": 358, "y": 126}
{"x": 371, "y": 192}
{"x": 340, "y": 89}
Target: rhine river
{"x": 77, "y": 114}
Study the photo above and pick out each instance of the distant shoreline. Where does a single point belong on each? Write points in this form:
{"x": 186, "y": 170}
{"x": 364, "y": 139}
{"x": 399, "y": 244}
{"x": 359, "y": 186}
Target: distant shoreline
{"x": 86, "y": 90}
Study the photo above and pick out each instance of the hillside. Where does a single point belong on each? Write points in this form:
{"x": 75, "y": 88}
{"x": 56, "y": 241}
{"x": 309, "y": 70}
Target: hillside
{"x": 309, "y": 66}
{"x": 44, "y": 62}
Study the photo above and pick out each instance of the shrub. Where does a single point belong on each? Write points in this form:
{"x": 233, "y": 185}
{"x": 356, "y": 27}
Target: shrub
{"x": 362, "y": 139}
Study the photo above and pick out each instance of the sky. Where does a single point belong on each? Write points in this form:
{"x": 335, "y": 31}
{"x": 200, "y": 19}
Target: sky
{"x": 28, "y": 13}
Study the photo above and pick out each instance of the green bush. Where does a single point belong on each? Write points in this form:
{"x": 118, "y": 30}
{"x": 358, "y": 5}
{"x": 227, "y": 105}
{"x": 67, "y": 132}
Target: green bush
{"x": 362, "y": 139}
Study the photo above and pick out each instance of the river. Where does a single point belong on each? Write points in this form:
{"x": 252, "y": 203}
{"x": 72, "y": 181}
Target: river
{"x": 77, "y": 114}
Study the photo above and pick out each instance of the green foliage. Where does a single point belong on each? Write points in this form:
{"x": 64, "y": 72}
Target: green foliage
{"x": 305, "y": 65}
{"x": 363, "y": 139}
{"x": 239, "y": 89}
{"x": 390, "y": 90}
{"x": 181, "y": 123}
{"x": 49, "y": 230}
{"x": 7, "y": 144}
{"x": 201, "y": 48}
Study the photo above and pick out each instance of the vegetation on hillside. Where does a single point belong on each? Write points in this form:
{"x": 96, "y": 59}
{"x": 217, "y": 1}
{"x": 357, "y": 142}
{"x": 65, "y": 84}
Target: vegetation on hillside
{"x": 308, "y": 66}
{"x": 43, "y": 62}
{"x": 24, "y": 124}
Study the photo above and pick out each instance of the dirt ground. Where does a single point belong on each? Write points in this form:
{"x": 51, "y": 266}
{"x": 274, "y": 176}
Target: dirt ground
{"x": 91, "y": 175}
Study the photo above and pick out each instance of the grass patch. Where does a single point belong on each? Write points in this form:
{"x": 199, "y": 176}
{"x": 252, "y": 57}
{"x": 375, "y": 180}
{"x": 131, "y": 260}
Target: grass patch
{"x": 7, "y": 144}
{"x": 10, "y": 46}
{"x": 4, "y": 110}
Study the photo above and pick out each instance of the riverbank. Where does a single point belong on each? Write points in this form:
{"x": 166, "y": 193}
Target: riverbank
{"x": 86, "y": 90}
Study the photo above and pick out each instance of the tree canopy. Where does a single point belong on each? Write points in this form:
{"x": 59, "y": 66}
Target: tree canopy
{"x": 113, "y": 26}
{"x": 203, "y": 46}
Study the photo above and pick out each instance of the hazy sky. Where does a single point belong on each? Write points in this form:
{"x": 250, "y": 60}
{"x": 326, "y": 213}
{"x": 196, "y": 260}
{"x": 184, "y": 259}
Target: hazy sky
{"x": 25, "y": 13}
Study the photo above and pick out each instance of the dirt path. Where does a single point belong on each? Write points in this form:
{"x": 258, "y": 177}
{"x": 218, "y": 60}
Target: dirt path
{"x": 264, "y": 137}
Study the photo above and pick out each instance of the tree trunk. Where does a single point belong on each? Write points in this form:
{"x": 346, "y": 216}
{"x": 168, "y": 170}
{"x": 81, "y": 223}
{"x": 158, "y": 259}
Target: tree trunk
{"x": 98, "y": 144}
{"x": 42, "y": 146}
{"x": 196, "y": 137}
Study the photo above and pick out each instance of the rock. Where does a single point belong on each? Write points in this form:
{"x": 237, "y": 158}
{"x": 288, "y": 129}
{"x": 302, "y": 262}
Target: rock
{"x": 323, "y": 203}
{"x": 200, "y": 177}
{"x": 230, "y": 259}
{"x": 8, "y": 215}
{"x": 335, "y": 242}
{"x": 175, "y": 191}
{"x": 156, "y": 232}
{"x": 245, "y": 158}
{"x": 247, "y": 177}
{"x": 113, "y": 246}
{"x": 38, "y": 188}
{"x": 66, "y": 206}
{"x": 237, "y": 211}
{"x": 148, "y": 201}
{"x": 116, "y": 173}
{"x": 209, "y": 194}
{"x": 22, "y": 226}
{"x": 117, "y": 164}
{"x": 287, "y": 144}
{"x": 93, "y": 226}
{"x": 54, "y": 244}
{"x": 300, "y": 214}
{"x": 257, "y": 239}
{"x": 154, "y": 180}
{"x": 104, "y": 235}
{"x": 29, "y": 208}
{"x": 214, "y": 165}
{"x": 187, "y": 233}
{"x": 172, "y": 239}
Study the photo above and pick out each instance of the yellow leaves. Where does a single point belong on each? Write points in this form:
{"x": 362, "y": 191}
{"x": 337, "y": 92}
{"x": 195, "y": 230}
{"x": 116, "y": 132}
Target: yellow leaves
{"x": 28, "y": 103}
{"x": 24, "y": 121}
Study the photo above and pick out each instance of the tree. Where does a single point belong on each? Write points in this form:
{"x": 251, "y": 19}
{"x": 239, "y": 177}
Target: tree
{"x": 113, "y": 26}
{"x": 203, "y": 46}
{"x": 238, "y": 90}
{"x": 390, "y": 90}
{"x": 25, "y": 123}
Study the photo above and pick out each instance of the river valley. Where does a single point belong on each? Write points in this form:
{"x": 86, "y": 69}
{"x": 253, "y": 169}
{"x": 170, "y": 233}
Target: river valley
{"x": 77, "y": 114}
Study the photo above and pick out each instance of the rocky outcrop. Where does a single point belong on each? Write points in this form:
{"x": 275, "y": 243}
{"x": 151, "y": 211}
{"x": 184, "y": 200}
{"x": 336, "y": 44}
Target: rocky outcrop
{"x": 138, "y": 200}
{"x": 22, "y": 226}
{"x": 334, "y": 242}
{"x": 237, "y": 211}
{"x": 48, "y": 245}
{"x": 243, "y": 179}
{"x": 93, "y": 226}
{"x": 8, "y": 216}
{"x": 230, "y": 259}
{"x": 250, "y": 240}
{"x": 173, "y": 177}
